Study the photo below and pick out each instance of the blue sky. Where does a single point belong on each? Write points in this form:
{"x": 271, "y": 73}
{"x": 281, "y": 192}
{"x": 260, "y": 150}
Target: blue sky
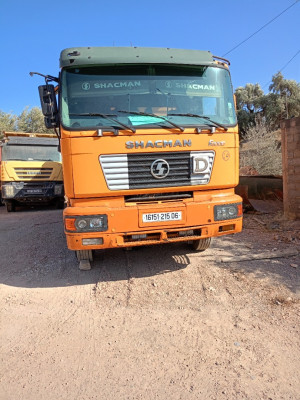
{"x": 34, "y": 32}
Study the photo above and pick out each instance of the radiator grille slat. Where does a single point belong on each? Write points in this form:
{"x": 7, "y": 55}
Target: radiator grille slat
{"x": 31, "y": 173}
{"x": 140, "y": 170}
{"x": 115, "y": 169}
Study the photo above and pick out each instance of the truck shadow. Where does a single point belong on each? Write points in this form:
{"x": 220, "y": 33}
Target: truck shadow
{"x": 34, "y": 255}
{"x": 61, "y": 270}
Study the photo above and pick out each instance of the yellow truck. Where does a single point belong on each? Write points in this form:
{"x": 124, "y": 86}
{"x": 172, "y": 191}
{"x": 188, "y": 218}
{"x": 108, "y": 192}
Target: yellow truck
{"x": 31, "y": 170}
{"x": 149, "y": 143}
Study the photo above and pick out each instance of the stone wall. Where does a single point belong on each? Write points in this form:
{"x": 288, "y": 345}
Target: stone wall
{"x": 290, "y": 133}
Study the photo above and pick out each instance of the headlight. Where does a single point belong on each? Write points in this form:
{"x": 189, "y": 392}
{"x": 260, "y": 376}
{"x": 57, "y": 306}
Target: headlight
{"x": 81, "y": 224}
{"x": 58, "y": 189}
{"x": 8, "y": 191}
{"x": 228, "y": 211}
{"x": 86, "y": 223}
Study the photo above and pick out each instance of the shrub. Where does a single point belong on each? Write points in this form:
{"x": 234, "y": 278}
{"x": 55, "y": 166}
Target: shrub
{"x": 261, "y": 150}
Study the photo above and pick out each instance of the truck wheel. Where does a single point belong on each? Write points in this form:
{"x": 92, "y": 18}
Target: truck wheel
{"x": 60, "y": 204}
{"x": 201, "y": 244}
{"x": 84, "y": 255}
{"x": 10, "y": 206}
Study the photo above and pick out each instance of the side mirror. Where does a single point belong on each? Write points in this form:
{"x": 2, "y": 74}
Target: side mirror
{"x": 49, "y": 106}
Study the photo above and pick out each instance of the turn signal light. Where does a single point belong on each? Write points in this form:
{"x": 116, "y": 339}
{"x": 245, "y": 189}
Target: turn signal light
{"x": 70, "y": 224}
{"x": 86, "y": 223}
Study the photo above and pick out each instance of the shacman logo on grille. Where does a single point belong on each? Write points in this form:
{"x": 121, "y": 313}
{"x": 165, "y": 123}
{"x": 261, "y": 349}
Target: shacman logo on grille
{"x": 160, "y": 169}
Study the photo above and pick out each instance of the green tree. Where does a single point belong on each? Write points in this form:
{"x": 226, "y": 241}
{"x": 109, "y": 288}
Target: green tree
{"x": 285, "y": 97}
{"x": 282, "y": 101}
{"x": 248, "y": 105}
{"x": 7, "y": 122}
{"x": 31, "y": 120}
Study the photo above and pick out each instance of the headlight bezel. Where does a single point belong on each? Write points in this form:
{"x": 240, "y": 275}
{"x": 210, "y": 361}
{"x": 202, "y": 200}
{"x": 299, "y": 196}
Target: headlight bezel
{"x": 225, "y": 212}
{"x": 8, "y": 191}
{"x": 72, "y": 223}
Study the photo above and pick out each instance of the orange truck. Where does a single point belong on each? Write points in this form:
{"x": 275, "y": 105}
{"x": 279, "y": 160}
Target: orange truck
{"x": 149, "y": 143}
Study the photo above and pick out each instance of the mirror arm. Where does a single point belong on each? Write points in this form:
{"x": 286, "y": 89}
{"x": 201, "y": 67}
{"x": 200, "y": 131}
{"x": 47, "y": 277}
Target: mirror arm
{"x": 48, "y": 78}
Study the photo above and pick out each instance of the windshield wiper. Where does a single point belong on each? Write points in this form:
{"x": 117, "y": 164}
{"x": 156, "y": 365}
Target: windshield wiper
{"x": 203, "y": 117}
{"x": 106, "y": 116}
{"x": 152, "y": 115}
{"x": 16, "y": 159}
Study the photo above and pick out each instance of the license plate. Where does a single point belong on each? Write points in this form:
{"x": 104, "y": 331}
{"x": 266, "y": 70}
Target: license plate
{"x": 34, "y": 191}
{"x": 163, "y": 216}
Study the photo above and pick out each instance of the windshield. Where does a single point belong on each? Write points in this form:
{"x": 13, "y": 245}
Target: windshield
{"x": 92, "y": 96}
{"x": 30, "y": 153}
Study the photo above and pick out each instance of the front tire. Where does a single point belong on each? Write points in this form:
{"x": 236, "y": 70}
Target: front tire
{"x": 60, "y": 204}
{"x": 201, "y": 244}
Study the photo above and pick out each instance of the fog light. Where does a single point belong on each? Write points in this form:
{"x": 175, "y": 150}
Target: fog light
{"x": 225, "y": 228}
{"x": 94, "y": 241}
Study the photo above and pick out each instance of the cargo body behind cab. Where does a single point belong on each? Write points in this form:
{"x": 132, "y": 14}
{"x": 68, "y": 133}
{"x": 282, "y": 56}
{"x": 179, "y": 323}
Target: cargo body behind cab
{"x": 31, "y": 171}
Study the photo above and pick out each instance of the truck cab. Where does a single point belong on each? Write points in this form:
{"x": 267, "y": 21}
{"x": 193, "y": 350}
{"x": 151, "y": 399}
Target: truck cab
{"x": 149, "y": 142}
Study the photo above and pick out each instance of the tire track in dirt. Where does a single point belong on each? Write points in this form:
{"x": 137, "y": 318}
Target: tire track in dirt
{"x": 129, "y": 277}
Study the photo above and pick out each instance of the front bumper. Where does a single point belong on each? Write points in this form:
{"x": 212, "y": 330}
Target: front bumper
{"x": 28, "y": 192}
{"x": 127, "y": 228}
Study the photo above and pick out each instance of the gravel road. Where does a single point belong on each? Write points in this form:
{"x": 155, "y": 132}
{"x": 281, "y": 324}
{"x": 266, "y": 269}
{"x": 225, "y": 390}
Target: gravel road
{"x": 159, "y": 322}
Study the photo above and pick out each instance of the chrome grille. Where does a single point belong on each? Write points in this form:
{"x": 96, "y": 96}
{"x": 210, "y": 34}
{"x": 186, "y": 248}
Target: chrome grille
{"x": 133, "y": 171}
{"x": 32, "y": 173}
{"x": 140, "y": 175}
{"x": 115, "y": 169}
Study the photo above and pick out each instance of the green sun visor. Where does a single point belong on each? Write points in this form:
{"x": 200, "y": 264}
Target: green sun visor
{"x": 133, "y": 55}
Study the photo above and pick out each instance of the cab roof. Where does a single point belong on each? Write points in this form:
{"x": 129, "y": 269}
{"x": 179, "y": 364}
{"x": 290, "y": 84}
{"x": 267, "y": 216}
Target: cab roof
{"x": 133, "y": 55}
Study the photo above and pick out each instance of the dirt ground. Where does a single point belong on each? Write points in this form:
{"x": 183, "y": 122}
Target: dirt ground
{"x": 160, "y": 322}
